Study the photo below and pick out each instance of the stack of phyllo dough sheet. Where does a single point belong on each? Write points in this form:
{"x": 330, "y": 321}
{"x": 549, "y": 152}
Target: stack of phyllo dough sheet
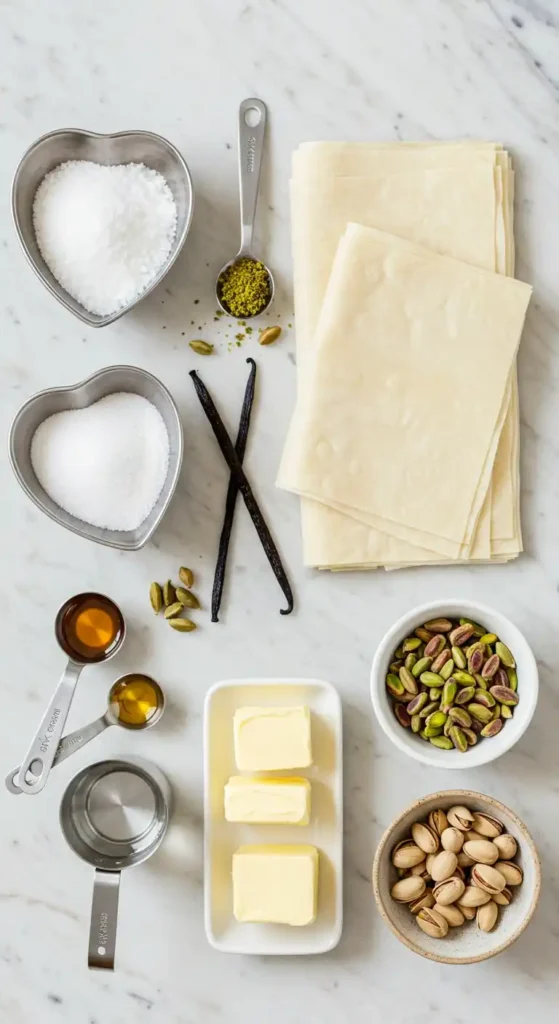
{"x": 404, "y": 443}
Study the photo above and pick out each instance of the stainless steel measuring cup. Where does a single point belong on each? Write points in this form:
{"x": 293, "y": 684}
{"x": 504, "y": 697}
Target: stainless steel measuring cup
{"x": 252, "y": 128}
{"x": 114, "y": 814}
{"x": 79, "y": 737}
{"x": 38, "y": 761}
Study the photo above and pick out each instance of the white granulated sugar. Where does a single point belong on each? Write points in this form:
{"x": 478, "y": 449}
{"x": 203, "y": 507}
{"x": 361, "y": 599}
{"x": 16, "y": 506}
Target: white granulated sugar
{"x": 105, "y": 464}
{"x": 105, "y": 232}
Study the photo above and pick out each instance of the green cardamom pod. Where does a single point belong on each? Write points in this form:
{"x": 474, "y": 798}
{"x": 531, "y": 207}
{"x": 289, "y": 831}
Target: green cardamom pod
{"x": 173, "y": 610}
{"x": 187, "y": 599}
{"x": 182, "y": 625}
{"x": 169, "y": 595}
{"x": 156, "y": 597}
{"x": 203, "y": 348}
{"x": 186, "y": 576}
{"x": 269, "y": 335}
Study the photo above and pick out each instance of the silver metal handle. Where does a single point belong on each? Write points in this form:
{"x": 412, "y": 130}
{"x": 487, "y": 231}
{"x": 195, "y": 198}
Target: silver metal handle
{"x": 251, "y": 147}
{"x": 104, "y": 917}
{"x": 67, "y": 746}
{"x": 37, "y": 763}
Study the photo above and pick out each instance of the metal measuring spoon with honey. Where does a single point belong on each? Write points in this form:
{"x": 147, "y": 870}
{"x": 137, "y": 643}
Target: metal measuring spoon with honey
{"x": 135, "y": 701}
{"x": 90, "y": 629}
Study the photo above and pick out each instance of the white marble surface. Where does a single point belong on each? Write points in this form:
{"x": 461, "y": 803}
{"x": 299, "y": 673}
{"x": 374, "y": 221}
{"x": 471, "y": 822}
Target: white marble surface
{"x": 364, "y": 69}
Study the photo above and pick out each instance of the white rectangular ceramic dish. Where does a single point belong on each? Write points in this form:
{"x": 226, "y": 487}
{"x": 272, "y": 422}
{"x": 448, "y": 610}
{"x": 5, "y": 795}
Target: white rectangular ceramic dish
{"x": 325, "y": 830}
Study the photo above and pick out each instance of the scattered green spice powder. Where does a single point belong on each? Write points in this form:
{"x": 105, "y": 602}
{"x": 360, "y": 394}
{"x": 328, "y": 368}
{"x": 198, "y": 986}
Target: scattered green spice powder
{"x": 245, "y": 287}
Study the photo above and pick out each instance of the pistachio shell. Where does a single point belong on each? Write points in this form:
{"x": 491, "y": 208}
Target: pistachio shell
{"x": 432, "y": 923}
{"x": 438, "y": 821}
{"x": 483, "y": 851}
{"x": 449, "y": 891}
{"x": 506, "y": 845}
{"x": 408, "y": 889}
{"x": 487, "y": 916}
{"x": 460, "y": 817}
{"x": 425, "y": 837}
{"x": 406, "y": 854}
{"x": 488, "y": 878}
{"x": 487, "y": 825}
{"x": 452, "y": 839}
{"x": 512, "y": 873}
{"x": 473, "y": 896}
{"x": 452, "y": 914}
{"x": 443, "y": 865}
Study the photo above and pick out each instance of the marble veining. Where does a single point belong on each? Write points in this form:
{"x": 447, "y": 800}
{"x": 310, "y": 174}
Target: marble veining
{"x": 364, "y": 69}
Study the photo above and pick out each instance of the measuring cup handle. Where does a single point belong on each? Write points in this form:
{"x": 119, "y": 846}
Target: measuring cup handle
{"x": 104, "y": 916}
{"x": 45, "y": 743}
{"x": 251, "y": 146}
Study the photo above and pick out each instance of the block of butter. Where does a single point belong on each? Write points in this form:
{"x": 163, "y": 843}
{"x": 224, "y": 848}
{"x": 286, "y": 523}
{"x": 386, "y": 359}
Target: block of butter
{"x": 268, "y": 801}
{"x": 268, "y": 739}
{"x": 275, "y": 884}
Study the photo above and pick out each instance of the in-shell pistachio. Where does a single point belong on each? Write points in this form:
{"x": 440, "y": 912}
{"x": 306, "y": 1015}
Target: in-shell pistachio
{"x": 452, "y": 839}
{"x": 488, "y": 878}
{"x": 425, "y": 837}
{"x": 423, "y": 902}
{"x": 406, "y": 853}
{"x": 443, "y": 866}
{"x": 487, "y": 825}
{"x": 506, "y": 845}
{"x": 512, "y": 873}
{"x": 503, "y": 897}
{"x": 451, "y": 913}
{"x": 408, "y": 889}
{"x": 464, "y": 861}
{"x": 449, "y": 891}
{"x": 460, "y": 817}
{"x": 432, "y": 923}
{"x": 438, "y": 821}
{"x": 483, "y": 851}
{"x": 487, "y": 916}
{"x": 473, "y": 896}
{"x": 468, "y": 912}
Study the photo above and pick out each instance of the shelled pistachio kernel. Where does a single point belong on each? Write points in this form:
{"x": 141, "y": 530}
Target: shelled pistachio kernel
{"x": 460, "y": 663}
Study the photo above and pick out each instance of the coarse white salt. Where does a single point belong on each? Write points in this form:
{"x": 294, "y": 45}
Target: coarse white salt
{"x": 105, "y": 464}
{"x": 104, "y": 231}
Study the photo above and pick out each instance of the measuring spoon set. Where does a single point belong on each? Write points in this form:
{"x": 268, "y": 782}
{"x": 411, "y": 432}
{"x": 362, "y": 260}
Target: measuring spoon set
{"x": 114, "y": 813}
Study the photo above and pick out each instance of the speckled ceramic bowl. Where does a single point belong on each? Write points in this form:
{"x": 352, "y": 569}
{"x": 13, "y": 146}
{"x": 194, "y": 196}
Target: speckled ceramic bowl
{"x": 467, "y": 944}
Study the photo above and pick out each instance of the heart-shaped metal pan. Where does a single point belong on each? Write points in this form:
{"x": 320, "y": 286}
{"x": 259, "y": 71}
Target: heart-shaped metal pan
{"x": 122, "y": 148}
{"x": 79, "y": 396}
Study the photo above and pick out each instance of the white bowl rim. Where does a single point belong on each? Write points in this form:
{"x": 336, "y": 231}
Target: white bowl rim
{"x": 479, "y": 754}
{"x": 460, "y": 796}
{"x": 86, "y": 317}
{"x": 74, "y": 387}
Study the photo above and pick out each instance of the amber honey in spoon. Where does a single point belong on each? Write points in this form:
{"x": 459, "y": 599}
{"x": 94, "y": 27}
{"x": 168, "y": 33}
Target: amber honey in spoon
{"x": 89, "y": 627}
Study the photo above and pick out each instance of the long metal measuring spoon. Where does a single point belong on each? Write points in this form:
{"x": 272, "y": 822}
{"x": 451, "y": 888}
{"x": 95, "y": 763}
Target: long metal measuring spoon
{"x": 73, "y": 629}
{"x": 76, "y": 740}
{"x": 252, "y": 127}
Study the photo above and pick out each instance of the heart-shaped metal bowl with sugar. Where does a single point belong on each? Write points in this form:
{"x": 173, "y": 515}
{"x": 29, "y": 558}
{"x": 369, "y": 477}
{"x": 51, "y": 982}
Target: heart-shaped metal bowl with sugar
{"x": 121, "y": 148}
{"x": 106, "y": 382}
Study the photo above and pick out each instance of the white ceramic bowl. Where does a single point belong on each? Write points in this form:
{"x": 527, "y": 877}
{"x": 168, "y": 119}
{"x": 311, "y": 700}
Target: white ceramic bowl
{"x": 467, "y": 944}
{"x": 485, "y": 750}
